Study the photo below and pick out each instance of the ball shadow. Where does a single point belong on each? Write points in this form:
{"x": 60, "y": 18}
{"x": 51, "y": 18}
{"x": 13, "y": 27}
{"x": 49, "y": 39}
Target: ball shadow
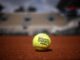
{"x": 48, "y": 50}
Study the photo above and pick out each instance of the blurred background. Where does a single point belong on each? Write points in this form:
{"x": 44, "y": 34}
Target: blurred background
{"x": 34, "y": 16}
{"x": 41, "y": 5}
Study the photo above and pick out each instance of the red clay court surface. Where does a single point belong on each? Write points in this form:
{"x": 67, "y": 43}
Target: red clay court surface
{"x": 20, "y": 48}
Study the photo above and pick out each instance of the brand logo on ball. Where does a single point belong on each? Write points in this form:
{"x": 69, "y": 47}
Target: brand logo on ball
{"x": 43, "y": 41}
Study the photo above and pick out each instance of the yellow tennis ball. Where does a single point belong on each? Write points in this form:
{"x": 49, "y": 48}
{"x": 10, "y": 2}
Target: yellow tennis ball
{"x": 41, "y": 41}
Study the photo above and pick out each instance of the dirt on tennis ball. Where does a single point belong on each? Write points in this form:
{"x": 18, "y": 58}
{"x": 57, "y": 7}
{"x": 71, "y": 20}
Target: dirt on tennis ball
{"x": 41, "y": 41}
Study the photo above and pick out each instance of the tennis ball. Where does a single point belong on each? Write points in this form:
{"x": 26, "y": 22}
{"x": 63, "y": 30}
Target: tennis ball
{"x": 41, "y": 41}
